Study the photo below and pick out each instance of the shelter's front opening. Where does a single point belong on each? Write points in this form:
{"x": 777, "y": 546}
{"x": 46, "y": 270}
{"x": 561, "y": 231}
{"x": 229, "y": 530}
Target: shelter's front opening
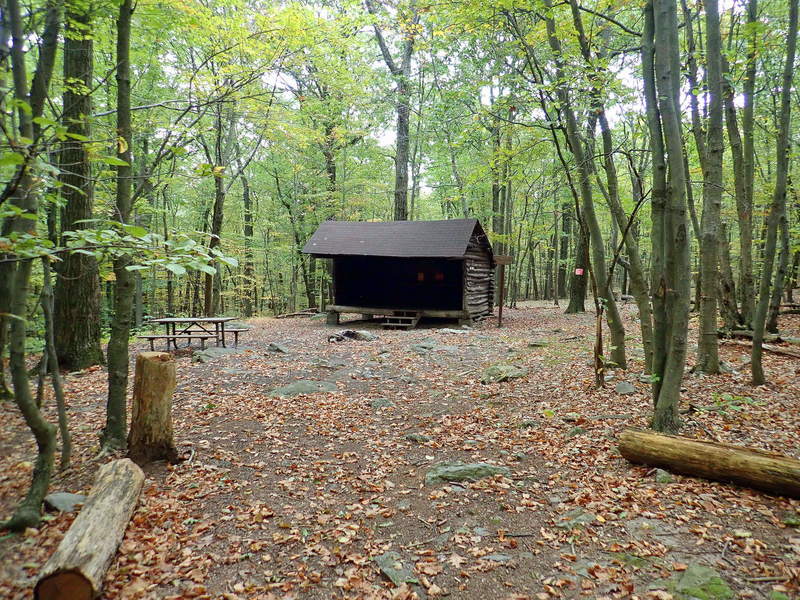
{"x": 401, "y": 283}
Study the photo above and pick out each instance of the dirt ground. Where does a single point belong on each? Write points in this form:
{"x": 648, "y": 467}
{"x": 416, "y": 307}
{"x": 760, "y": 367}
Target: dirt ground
{"x": 295, "y": 497}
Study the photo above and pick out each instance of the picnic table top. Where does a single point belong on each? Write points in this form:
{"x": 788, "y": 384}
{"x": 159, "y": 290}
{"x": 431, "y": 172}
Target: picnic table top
{"x": 193, "y": 320}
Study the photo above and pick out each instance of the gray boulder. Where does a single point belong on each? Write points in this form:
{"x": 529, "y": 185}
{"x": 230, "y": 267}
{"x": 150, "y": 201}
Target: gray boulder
{"x": 663, "y": 476}
{"x": 63, "y": 501}
{"x": 624, "y": 388}
{"x": 500, "y": 373}
{"x": 304, "y": 386}
{"x": 458, "y": 471}
{"x": 209, "y": 354}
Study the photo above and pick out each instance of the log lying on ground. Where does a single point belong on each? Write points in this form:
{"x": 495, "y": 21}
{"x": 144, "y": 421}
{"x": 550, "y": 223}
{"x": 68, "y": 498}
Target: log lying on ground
{"x": 773, "y": 473}
{"x": 78, "y": 566}
{"x": 768, "y": 348}
{"x": 150, "y": 436}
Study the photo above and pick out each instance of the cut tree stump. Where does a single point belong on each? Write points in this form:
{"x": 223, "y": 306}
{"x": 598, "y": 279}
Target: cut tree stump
{"x": 766, "y": 471}
{"x": 150, "y": 436}
{"x": 78, "y": 566}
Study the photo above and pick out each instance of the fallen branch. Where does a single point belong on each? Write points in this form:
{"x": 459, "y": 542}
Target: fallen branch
{"x": 773, "y": 473}
{"x": 308, "y": 312}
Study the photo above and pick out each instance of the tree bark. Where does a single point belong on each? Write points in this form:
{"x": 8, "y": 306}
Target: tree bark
{"x": 113, "y": 436}
{"x": 707, "y": 345}
{"x": 780, "y": 277}
{"x": 727, "y": 285}
{"x": 77, "y": 292}
{"x": 51, "y": 361}
{"x": 777, "y": 210}
{"x": 78, "y": 566}
{"x": 745, "y": 207}
{"x": 150, "y": 437}
{"x": 248, "y": 301}
{"x": 749, "y": 467}
{"x": 670, "y": 263}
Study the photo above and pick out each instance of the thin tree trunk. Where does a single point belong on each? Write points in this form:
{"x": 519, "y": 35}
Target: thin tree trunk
{"x": 401, "y": 74}
{"x": 780, "y": 277}
{"x": 51, "y": 359}
{"x": 745, "y": 207}
{"x": 727, "y": 285}
{"x": 25, "y": 198}
{"x": 777, "y": 211}
{"x": 248, "y": 301}
{"x": 598, "y": 261}
{"x": 115, "y": 430}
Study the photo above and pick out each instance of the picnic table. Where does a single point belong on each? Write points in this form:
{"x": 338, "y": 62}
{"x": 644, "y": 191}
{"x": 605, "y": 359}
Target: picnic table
{"x": 200, "y": 328}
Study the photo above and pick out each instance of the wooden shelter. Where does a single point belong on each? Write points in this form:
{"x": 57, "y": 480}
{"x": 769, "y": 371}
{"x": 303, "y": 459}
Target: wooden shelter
{"x": 405, "y": 270}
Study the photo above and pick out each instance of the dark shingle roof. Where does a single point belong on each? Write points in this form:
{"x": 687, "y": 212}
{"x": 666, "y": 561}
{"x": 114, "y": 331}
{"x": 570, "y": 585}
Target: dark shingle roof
{"x": 412, "y": 239}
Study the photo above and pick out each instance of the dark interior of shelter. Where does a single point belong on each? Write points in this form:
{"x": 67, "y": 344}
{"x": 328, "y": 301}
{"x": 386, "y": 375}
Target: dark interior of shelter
{"x": 399, "y": 283}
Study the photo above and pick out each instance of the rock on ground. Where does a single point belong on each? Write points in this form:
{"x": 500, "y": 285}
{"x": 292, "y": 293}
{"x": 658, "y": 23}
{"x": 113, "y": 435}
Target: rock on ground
{"x": 63, "y": 501}
{"x": 499, "y": 373}
{"x": 391, "y": 565}
{"x": 458, "y": 471}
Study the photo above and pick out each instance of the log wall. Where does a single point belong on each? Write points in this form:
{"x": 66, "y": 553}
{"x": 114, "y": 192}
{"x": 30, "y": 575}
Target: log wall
{"x": 478, "y": 278}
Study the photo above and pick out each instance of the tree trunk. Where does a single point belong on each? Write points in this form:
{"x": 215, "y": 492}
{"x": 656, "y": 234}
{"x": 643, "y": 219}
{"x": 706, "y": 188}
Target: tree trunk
{"x": 707, "y": 345}
{"x": 25, "y": 198}
{"x": 113, "y": 436}
{"x": 749, "y": 467}
{"x": 248, "y": 301}
{"x": 670, "y": 262}
{"x": 210, "y": 307}
{"x": 780, "y": 277}
{"x": 598, "y": 259}
{"x": 745, "y": 208}
{"x": 401, "y": 73}
{"x": 566, "y": 224}
{"x": 150, "y": 437}
{"x": 78, "y": 566}
{"x": 50, "y": 358}
{"x": 77, "y": 292}
{"x": 778, "y": 208}
{"x": 727, "y": 285}
{"x": 577, "y": 287}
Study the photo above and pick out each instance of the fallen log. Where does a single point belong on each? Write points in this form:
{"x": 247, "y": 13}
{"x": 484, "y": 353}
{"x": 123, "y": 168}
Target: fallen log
{"x": 78, "y": 566}
{"x": 748, "y": 334}
{"x": 768, "y": 348}
{"x": 766, "y": 471}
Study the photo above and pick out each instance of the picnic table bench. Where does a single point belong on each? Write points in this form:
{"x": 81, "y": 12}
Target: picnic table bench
{"x": 193, "y": 328}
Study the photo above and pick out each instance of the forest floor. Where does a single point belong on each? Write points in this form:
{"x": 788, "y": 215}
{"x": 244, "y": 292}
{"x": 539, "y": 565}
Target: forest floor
{"x": 295, "y": 497}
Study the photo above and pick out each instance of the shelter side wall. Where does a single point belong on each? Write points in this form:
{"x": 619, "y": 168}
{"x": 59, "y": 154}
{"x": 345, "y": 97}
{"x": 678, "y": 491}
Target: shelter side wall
{"x": 478, "y": 280}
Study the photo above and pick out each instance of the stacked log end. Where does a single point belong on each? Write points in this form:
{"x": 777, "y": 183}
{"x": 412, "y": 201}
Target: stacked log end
{"x": 478, "y": 280}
